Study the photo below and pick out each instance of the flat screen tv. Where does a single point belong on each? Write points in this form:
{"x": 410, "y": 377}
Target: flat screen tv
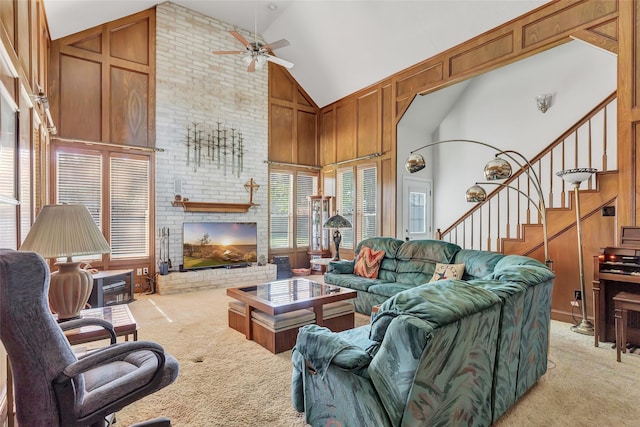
{"x": 219, "y": 244}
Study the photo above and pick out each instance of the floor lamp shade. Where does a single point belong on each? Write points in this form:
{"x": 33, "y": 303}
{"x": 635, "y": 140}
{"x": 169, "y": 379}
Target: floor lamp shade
{"x": 65, "y": 231}
{"x": 337, "y": 221}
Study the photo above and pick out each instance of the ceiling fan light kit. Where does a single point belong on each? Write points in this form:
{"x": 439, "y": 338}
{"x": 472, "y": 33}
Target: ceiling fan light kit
{"x": 256, "y": 53}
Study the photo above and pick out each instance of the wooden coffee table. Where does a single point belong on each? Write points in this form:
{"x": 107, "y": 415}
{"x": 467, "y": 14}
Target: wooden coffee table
{"x": 285, "y": 296}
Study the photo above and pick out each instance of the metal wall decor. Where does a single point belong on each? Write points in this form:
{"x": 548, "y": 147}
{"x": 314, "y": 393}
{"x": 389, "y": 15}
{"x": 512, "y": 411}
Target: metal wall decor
{"x": 219, "y": 145}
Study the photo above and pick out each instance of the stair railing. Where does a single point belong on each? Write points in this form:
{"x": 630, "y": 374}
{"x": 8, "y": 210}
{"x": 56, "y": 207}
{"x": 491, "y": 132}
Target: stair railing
{"x": 588, "y": 143}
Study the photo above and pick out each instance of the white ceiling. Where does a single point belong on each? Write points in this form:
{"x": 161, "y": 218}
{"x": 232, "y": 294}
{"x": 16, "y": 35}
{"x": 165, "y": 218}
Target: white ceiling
{"x": 337, "y": 46}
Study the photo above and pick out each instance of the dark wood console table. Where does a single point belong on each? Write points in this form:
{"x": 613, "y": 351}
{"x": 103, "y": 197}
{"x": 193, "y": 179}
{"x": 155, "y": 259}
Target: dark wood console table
{"x": 615, "y": 270}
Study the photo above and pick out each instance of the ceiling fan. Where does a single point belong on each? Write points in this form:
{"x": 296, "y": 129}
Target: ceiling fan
{"x": 257, "y": 53}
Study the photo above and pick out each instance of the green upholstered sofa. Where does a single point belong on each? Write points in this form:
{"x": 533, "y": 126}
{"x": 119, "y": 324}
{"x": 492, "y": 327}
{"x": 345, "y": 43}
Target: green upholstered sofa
{"x": 405, "y": 265}
{"x": 448, "y": 353}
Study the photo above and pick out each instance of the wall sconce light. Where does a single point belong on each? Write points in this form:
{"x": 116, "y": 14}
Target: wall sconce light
{"x": 42, "y": 99}
{"x": 543, "y": 102}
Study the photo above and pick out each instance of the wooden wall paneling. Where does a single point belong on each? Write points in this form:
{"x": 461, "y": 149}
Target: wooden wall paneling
{"x": 128, "y": 103}
{"x": 597, "y": 232}
{"x": 281, "y": 123}
{"x": 388, "y": 132}
{"x": 130, "y": 41}
{"x": 43, "y": 44}
{"x": 564, "y": 18}
{"x": 293, "y": 120}
{"x": 281, "y": 87}
{"x": 388, "y": 196}
{"x": 327, "y": 136}
{"x": 306, "y": 138}
{"x": 8, "y": 19}
{"x": 113, "y": 66}
{"x": 628, "y": 68}
{"x": 346, "y": 130}
{"x": 604, "y": 36}
{"x": 80, "y": 94}
{"x": 368, "y": 123}
{"x": 416, "y": 80}
{"x": 498, "y": 47}
{"x": 23, "y": 36}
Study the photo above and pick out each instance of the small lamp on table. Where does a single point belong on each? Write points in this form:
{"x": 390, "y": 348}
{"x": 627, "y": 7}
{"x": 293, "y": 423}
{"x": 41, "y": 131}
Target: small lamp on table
{"x": 67, "y": 231}
{"x": 337, "y": 222}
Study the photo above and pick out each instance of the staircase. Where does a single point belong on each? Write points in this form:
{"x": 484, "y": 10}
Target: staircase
{"x": 509, "y": 220}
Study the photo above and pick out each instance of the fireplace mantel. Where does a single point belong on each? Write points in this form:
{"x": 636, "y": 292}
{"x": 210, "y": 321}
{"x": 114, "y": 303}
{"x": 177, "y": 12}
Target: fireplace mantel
{"x": 190, "y": 206}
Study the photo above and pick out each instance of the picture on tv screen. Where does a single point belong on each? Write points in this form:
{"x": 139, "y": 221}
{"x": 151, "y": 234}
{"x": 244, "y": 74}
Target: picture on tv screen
{"x": 219, "y": 244}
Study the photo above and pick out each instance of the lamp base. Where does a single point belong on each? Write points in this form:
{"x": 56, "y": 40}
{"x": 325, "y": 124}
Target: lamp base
{"x": 585, "y": 328}
{"x": 69, "y": 289}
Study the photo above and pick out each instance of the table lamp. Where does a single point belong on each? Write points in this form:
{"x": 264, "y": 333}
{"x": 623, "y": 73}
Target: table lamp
{"x": 337, "y": 221}
{"x": 67, "y": 231}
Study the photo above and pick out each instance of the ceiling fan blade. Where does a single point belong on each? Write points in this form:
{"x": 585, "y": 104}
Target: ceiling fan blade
{"x": 228, "y": 52}
{"x": 279, "y": 61}
{"x": 241, "y": 39}
{"x": 252, "y": 66}
{"x": 276, "y": 45}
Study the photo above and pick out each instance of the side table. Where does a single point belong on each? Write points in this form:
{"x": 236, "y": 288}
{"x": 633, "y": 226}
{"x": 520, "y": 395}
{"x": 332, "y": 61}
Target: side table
{"x": 322, "y": 263}
{"x": 118, "y": 315}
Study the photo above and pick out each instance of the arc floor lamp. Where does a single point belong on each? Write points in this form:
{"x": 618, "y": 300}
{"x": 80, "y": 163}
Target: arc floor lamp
{"x": 496, "y": 169}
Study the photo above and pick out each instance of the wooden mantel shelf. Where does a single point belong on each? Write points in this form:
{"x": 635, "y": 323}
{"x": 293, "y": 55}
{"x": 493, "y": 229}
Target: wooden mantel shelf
{"x": 190, "y": 206}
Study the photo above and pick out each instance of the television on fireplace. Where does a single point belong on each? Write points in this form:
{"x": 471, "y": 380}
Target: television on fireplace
{"x": 219, "y": 244}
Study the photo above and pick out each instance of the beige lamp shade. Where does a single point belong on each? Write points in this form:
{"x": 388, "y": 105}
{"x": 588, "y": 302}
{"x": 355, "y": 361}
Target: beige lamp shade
{"x": 66, "y": 231}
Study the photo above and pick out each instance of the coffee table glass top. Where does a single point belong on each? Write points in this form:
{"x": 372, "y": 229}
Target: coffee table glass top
{"x": 290, "y": 290}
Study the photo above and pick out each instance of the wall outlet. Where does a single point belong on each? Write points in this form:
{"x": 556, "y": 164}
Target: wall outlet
{"x": 139, "y": 272}
{"x": 145, "y": 271}
{"x": 577, "y": 295}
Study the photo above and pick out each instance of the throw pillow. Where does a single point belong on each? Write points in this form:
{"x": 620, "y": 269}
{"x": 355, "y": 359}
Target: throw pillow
{"x": 447, "y": 271}
{"x": 368, "y": 262}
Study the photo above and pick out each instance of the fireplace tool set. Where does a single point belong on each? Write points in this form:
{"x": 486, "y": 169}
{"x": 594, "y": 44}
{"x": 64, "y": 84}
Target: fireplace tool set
{"x": 225, "y": 147}
{"x": 164, "y": 264}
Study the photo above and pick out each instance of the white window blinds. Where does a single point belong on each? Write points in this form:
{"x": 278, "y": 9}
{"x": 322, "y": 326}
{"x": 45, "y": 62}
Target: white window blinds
{"x": 129, "y": 203}
{"x": 367, "y": 203}
{"x": 79, "y": 180}
{"x": 306, "y": 186}
{"x": 345, "y": 204}
{"x": 280, "y": 210}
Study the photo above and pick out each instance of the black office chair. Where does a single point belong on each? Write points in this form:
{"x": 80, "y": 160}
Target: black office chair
{"x": 52, "y": 386}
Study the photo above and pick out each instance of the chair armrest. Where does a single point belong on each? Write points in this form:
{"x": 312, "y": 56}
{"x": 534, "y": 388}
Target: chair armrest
{"x": 341, "y": 267}
{"x": 320, "y": 347}
{"x": 90, "y": 321}
{"x": 110, "y": 354}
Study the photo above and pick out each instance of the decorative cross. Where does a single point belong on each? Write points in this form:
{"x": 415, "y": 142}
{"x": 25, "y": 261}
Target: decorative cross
{"x": 251, "y": 187}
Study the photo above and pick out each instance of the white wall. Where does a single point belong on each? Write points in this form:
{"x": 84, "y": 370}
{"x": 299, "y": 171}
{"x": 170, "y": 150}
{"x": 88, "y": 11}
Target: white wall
{"x": 194, "y": 85}
{"x": 499, "y": 108}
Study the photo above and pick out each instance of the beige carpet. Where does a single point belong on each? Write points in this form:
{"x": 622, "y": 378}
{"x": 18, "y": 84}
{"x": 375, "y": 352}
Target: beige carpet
{"x": 226, "y": 380}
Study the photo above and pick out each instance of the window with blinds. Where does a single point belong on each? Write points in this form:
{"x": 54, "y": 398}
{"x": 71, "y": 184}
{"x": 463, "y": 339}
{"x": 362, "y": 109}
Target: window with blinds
{"x": 306, "y": 186}
{"x": 290, "y": 219}
{"x": 345, "y": 202}
{"x": 280, "y": 210}
{"x": 79, "y": 179}
{"x": 367, "y": 203}
{"x": 129, "y": 204}
{"x": 8, "y": 181}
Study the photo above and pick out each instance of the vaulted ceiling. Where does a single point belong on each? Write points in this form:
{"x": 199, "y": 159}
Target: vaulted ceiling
{"x": 337, "y": 46}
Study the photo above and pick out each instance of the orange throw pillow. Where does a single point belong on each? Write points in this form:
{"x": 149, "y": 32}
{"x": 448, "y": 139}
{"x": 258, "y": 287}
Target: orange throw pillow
{"x": 368, "y": 262}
